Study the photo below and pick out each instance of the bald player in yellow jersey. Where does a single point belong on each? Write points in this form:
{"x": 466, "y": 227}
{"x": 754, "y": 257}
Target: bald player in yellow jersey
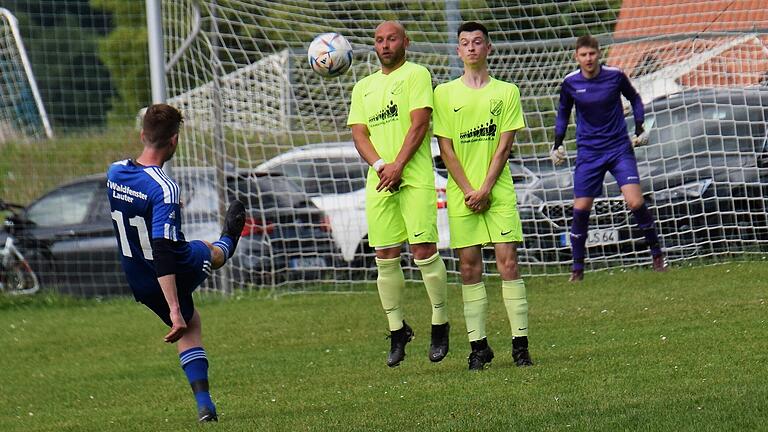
{"x": 476, "y": 117}
{"x": 389, "y": 117}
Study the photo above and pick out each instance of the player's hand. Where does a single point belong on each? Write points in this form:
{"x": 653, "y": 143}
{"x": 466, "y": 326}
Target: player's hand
{"x": 558, "y": 155}
{"x": 641, "y": 136}
{"x": 389, "y": 177}
{"x": 477, "y": 200}
{"x": 178, "y": 327}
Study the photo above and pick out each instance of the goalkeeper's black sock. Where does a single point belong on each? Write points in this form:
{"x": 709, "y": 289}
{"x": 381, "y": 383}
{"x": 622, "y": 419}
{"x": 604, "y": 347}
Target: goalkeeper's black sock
{"x": 645, "y": 222}
{"x": 579, "y": 229}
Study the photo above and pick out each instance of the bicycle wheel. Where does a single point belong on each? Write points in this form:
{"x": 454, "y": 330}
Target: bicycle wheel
{"x": 19, "y": 278}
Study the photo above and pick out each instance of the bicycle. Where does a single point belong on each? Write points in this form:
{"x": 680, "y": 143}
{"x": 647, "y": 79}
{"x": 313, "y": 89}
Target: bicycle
{"x": 16, "y": 275}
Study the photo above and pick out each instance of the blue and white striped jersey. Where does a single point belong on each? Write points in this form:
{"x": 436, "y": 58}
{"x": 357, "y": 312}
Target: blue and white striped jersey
{"x": 144, "y": 203}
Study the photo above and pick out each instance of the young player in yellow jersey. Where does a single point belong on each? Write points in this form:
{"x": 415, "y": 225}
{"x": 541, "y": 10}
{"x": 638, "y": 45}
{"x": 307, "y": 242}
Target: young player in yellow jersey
{"x": 389, "y": 117}
{"x": 476, "y": 117}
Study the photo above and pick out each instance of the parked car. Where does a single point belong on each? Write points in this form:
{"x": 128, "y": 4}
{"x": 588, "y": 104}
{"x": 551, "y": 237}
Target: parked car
{"x": 333, "y": 174}
{"x": 704, "y": 174}
{"x": 286, "y": 236}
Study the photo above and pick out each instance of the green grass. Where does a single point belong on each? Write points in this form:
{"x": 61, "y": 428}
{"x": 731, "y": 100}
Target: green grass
{"x": 634, "y": 351}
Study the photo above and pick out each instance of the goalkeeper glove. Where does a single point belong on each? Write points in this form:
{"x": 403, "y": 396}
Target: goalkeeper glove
{"x": 557, "y": 154}
{"x": 641, "y": 136}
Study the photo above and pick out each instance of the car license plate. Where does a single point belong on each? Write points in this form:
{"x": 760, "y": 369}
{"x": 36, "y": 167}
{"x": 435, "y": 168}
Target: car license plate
{"x": 596, "y": 237}
{"x": 307, "y": 262}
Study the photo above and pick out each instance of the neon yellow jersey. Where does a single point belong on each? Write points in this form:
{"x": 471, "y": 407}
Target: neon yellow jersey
{"x": 384, "y": 103}
{"x": 474, "y": 119}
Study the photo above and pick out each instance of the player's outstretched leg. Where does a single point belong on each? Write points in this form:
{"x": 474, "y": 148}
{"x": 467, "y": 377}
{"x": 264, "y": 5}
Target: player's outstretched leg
{"x": 399, "y": 338}
{"x": 234, "y": 221}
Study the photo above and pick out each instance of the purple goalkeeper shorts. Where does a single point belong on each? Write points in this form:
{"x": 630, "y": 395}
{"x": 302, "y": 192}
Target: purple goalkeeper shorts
{"x": 590, "y": 171}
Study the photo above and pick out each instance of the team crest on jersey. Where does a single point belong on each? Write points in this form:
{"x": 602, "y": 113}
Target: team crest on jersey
{"x": 397, "y": 88}
{"x": 496, "y": 106}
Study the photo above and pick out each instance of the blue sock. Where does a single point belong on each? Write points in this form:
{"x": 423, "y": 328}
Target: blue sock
{"x": 645, "y": 222}
{"x": 227, "y": 245}
{"x": 195, "y": 366}
{"x": 579, "y": 229}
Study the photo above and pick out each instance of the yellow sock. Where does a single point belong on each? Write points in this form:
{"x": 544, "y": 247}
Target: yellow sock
{"x": 475, "y": 310}
{"x": 435, "y": 278}
{"x": 517, "y": 306}
{"x": 391, "y": 283}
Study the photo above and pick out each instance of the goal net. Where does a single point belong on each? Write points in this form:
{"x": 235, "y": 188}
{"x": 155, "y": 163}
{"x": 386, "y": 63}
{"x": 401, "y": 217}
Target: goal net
{"x": 22, "y": 115}
{"x": 239, "y": 71}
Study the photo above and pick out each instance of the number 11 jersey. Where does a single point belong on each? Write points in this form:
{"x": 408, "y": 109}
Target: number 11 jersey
{"x": 144, "y": 204}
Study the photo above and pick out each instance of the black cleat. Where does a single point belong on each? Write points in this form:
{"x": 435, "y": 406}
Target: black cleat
{"x": 481, "y": 355}
{"x": 205, "y": 415}
{"x": 234, "y": 221}
{"x": 438, "y": 348}
{"x": 576, "y": 276}
{"x": 660, "y": 264}
{"x": 399, "y": 338}
{"x": 520, "y": 353}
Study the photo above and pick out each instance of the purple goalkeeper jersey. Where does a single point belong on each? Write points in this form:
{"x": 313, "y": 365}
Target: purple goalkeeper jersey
{"x": 600, "y": 124}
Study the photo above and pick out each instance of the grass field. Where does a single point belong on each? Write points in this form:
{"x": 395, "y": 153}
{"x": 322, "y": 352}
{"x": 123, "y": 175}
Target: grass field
{"x": 634, "y": 351}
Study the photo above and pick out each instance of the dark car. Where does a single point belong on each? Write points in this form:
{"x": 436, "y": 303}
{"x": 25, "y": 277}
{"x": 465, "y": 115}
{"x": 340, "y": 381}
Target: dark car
{"x": 704, "y": 174}
{"x": 285, "y": 237}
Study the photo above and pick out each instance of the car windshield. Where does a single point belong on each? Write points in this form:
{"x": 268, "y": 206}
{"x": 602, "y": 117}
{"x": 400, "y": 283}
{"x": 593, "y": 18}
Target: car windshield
{"x": 326, "y": 175}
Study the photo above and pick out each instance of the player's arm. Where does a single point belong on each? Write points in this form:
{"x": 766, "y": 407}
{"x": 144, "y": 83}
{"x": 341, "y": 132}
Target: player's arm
{"x": 557, "y": 153}
{"x": 498, "y": 161}
{"x": 392, "y": 172}
{"x": 165, "y": 267}
{"x": 451, "y": 161}
{"x": 361, "y": 135}
{"x": 362, "y": 139}
{"x": 638, "y": 110}
{"x": 165, "y": 207}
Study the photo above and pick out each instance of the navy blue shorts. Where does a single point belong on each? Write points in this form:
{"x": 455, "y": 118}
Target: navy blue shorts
{"x": 193, "y": 268}
{"x": 590, "y": 171}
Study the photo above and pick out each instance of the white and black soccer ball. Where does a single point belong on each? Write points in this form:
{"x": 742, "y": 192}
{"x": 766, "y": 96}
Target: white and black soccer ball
{"x": 330, "y": 55}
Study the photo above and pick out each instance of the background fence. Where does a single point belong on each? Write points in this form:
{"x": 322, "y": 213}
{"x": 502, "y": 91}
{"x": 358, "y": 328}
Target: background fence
{"x": 238, "y": 70}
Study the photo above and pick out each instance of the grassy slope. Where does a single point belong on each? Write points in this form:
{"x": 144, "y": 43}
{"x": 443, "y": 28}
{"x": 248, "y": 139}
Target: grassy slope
{"x": 628, "y": 351}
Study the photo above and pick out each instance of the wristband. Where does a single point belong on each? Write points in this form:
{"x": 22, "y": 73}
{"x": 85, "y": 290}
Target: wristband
{"x": 378, "y": 165}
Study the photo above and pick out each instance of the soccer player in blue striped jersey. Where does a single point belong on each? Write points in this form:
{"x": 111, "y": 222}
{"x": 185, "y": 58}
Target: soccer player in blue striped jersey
{"x": 603, "y": 146}
{"x": 162, "y": 268}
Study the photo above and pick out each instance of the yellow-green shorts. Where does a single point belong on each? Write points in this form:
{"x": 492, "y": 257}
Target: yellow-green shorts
{"x": 499, "y": 225}
{"x": 408, "y": 214}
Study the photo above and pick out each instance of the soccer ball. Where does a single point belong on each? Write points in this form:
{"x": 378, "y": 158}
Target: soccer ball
{"x": 330, "y": 55}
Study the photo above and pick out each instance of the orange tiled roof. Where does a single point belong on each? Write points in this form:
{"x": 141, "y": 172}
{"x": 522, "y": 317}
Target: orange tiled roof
{"x": 745, "y": 63}
{"x": 643, "y": 18}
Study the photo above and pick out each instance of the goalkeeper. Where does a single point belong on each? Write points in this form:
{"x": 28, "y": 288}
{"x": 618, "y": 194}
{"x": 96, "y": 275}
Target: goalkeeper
{"x": 603, "y": 146}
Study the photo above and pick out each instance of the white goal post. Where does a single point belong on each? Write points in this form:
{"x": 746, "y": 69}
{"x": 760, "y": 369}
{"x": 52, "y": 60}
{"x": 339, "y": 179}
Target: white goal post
{"x": 22, "y": 114}
{"x": 239, "y": 71}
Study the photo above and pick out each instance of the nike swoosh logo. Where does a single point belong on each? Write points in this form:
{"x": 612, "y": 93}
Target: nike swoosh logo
{"x": 418, "y": 234}
{"x": 506, "y": 232}
{"x": 369, "y": 93}
{"x": 471, "y": 331}
{"x": 458, "y": 109}
{"x": 521, "y": 329}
